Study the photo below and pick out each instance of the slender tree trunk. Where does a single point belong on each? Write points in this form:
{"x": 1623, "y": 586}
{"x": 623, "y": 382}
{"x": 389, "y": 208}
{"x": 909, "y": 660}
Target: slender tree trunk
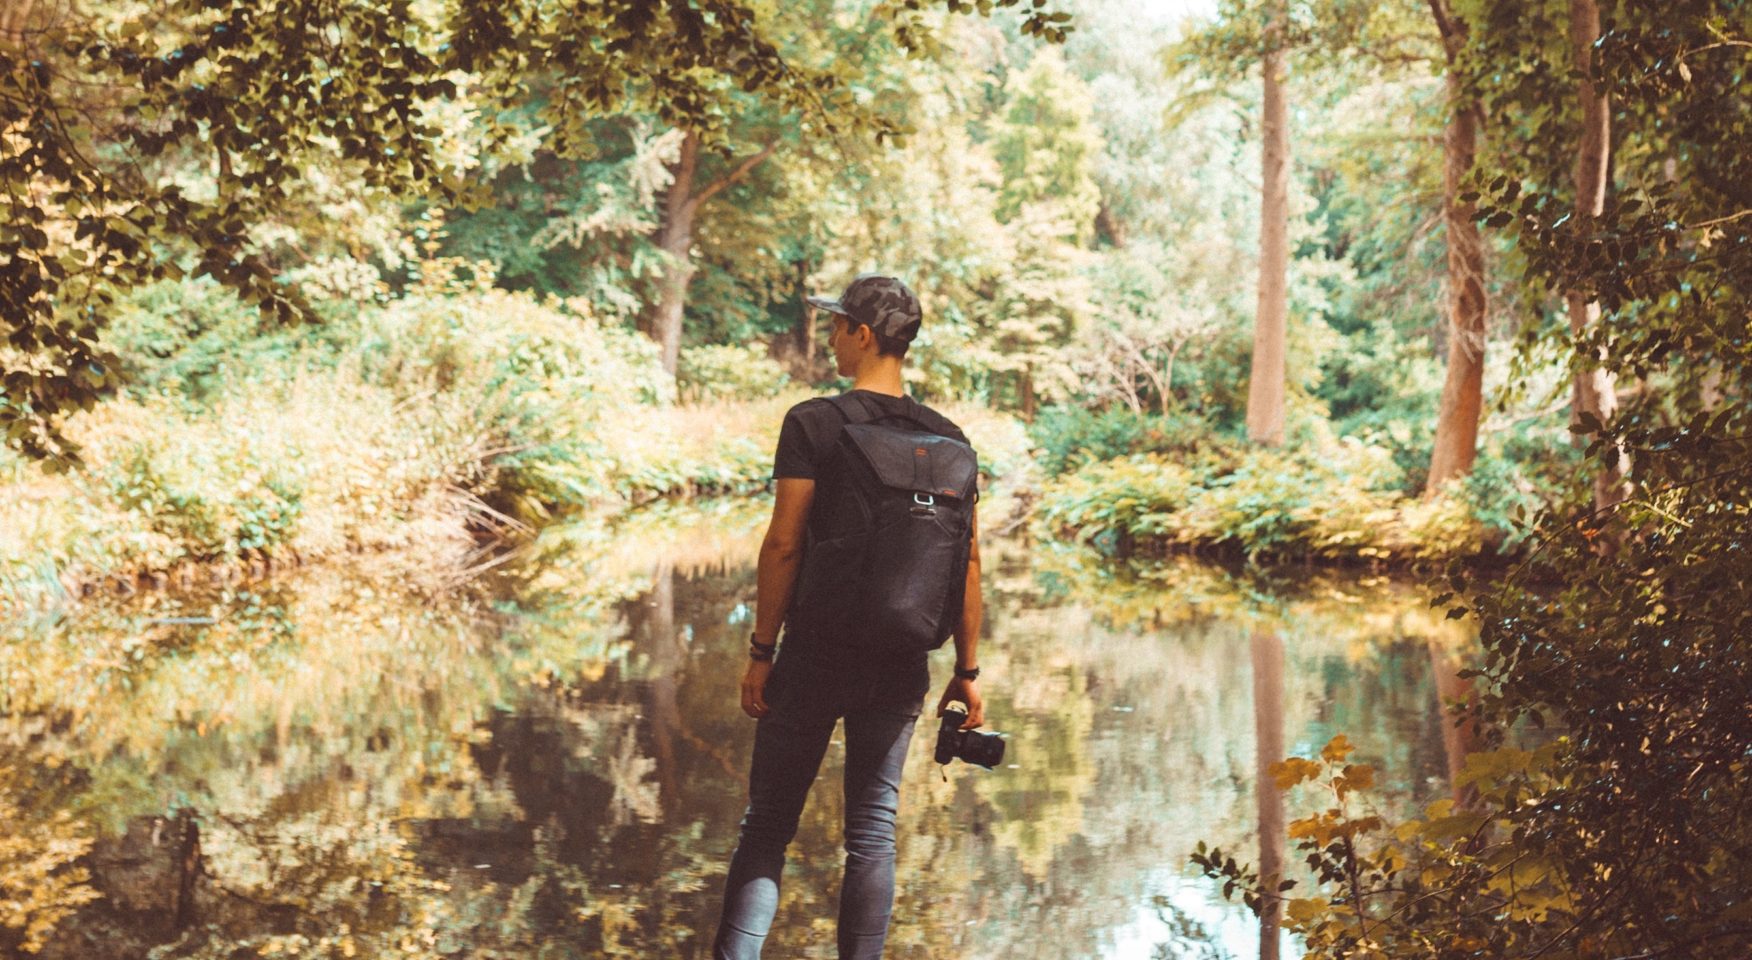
{"x": 188, "y": 868}
{"x": 1168, "y": 376}
{"x": 1594, "y": 391}
{"x": 681, "y": 205}
{"x": 1028, "y": 399}
{"x": 1148, "y": 369}
{"x": 665, "y": 655}
{"x": 1267, "y": 378}
{"x": 1268, "y": 737}
{"x": 1111, "y": 226}
{"x": 1463, "y": 392}
{"x": 675, "y": 238}
{"x": 1459, "y": 740}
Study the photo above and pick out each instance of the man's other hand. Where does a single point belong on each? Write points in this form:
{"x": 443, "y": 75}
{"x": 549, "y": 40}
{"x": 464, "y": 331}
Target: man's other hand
{"x": 754, "y": 688}
{"x": 966, "y": 691}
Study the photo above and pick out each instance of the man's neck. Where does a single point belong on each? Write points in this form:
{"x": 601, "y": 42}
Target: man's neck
{"x": 881, "y": 377}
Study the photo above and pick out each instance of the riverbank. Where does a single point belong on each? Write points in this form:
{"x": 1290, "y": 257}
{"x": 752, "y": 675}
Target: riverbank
{"x": 414, "y": 441}
{"x": 1336, "y": 501}
{"x": 417, "y": 439}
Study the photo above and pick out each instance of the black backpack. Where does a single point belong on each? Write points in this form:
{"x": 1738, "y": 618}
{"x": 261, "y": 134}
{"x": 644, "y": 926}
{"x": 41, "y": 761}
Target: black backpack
{"x": 884, "y": 567}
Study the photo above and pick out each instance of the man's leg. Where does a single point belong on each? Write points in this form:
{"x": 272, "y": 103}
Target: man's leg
{"x": 876, "y": 746}
{"x": 788, "y": 746}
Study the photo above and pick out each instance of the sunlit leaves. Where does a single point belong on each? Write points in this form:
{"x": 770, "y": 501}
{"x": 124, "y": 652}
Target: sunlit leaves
{"x": 107, "y": 113}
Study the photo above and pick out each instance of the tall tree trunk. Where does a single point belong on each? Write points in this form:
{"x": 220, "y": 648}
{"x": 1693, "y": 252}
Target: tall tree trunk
{"x": 681, "y": 204}
{"x": 675, "y": 238}
{"x": 1268, "y": 737}
{"x": 1459, "y": 740}
{"x": 1456, "y": 444}
{"x": 666, "y": 656}
{"x": 1594, "y": 391}
{"x": 1267, "y": 377}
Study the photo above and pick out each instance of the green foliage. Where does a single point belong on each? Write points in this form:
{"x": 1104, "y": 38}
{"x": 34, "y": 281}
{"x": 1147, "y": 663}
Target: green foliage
{"x": 1618, "y": 645}
{"x": 574, "y": 227}
{"x": 1046, "y": 146}
{"x": 222, "y": 117}
{"x": 189, "y": 337}
{"x": 213, "y": 511}
{"x": 453, "y": 412}
{"x": 1339, "y": 499}
{"x": 729, "y": 372}
{"x": 1067, "y": 436}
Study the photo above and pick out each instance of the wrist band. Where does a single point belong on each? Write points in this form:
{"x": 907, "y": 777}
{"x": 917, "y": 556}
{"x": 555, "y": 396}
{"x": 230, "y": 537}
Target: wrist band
{"x": 972, "y": 674}
{"x": 760, "y": 651}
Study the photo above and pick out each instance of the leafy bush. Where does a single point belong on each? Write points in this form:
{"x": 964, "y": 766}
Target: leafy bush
{"x": 455, "y": 410}
{"x": 729, "y": 372}
{"x": 1136, "y": 495}
{"x": 1067, "y": 436}
{"x": 1341, "y": 499}
{"x": 189, "y": 337}
{"x": 543, "y": 379}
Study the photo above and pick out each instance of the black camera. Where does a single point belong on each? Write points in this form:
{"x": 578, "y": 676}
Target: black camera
{"x": 953, "y": 743}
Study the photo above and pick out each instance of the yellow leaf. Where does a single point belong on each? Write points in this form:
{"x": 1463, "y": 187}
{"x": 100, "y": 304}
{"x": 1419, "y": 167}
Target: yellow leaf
{"x": 1336, "y": 749}
{"x": 1357, "y": 776}
{"x": 1301, "y": 910}
{"x": 1289, "y": 772}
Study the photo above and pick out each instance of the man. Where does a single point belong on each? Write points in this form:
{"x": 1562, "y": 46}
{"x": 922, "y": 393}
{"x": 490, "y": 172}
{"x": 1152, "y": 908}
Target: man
{"x": 816, "y": 681}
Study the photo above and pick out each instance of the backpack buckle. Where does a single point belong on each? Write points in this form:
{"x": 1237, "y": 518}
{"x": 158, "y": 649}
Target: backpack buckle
{"x": 924, "y": 505}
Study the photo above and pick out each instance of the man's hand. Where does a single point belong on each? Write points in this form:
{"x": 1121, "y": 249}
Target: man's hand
{"x": 754, "y": 688}
{"x": 966, "y": 691}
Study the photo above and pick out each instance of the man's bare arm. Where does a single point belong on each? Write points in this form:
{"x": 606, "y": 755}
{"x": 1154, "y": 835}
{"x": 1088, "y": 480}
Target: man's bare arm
{"x": 967, "y": 638}
{"x": 972, "y": 606}
{"x": 781, "y": 552}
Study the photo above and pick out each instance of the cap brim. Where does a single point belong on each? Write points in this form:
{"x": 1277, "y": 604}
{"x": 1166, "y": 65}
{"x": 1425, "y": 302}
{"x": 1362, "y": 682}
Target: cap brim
{"x": 831, "y": 306}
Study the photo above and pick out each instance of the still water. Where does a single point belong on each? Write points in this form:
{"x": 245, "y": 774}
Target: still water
{"x": 329, "y": 767}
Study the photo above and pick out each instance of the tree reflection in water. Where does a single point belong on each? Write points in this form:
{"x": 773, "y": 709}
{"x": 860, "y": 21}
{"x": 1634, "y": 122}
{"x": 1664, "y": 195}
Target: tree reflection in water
{"x": 556, "y": 769}
{"x": 1268, "y": 739}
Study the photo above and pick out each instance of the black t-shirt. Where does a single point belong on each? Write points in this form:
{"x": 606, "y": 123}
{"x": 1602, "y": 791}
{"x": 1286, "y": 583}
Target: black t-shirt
{"x": 808, "y": 433}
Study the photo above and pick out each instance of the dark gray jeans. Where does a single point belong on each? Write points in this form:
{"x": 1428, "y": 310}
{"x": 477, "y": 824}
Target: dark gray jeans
{"x": 788, "y": 745}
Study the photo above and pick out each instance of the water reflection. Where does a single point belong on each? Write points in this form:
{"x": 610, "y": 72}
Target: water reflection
{"x": 335, "y": 770}
{"x": 1268, "y": 748}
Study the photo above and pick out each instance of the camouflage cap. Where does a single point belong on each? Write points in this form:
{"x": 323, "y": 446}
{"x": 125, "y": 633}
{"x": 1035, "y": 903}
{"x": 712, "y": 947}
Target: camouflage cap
{"x": 883, "y": 303}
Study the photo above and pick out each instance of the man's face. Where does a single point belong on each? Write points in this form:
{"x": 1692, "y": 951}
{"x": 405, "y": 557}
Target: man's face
{"x": 844, "y": 347}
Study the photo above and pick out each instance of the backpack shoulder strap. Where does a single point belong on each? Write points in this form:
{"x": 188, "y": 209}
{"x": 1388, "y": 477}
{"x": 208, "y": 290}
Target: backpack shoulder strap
{"x": 875, "y": 414}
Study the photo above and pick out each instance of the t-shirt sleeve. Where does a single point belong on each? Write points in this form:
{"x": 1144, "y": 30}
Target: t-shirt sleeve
{"x": 796, "y": 453}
